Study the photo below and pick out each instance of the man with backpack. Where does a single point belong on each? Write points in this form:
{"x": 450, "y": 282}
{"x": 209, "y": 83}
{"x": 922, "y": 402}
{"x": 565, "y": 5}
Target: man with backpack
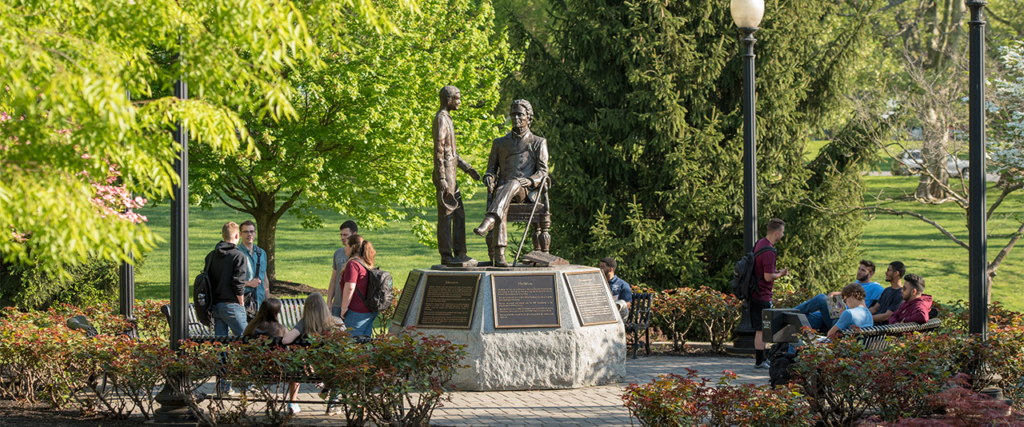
{"x": 226, "y": 268}
{"x": 764, "y": 271}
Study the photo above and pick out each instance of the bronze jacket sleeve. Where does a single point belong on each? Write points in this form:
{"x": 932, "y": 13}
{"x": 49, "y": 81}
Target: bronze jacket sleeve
{"x": 541, "y": 148}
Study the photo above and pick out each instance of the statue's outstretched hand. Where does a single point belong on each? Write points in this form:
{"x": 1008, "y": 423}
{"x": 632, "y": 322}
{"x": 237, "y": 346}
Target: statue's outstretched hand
{"x": 473, "y": 174}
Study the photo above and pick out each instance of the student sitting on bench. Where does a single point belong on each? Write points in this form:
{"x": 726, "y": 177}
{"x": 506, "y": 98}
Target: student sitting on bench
{"x": 855, "y": 314}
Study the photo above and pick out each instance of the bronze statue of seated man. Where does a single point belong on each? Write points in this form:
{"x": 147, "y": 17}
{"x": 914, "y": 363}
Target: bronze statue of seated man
{"x": 516, "y": 170}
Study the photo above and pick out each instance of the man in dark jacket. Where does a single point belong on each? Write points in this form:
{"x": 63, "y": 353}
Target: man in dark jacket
{"x": 916, "y": 304}
{"x": 227, "y": 278}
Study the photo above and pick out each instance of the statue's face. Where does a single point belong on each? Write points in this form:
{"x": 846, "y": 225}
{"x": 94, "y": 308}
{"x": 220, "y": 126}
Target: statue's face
{"x": 519, "y": 118}
{"x": 454, "y": 101}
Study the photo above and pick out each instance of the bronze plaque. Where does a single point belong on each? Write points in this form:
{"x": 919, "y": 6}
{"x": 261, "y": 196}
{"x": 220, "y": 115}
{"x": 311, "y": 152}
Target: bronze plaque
{"x": 590, "y": 298}
{"x": 524, "y": 301}
{"x": 408, "y": 292}
{"x": 448, "y": 301}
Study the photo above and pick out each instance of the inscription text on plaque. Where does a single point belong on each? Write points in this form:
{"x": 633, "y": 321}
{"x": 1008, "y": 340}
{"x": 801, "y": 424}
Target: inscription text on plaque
{"x": 448, "y": 301}
{"x": 524, "y": 301}
{"x": 590, "y": 298}
{"x": 402, "y": 309}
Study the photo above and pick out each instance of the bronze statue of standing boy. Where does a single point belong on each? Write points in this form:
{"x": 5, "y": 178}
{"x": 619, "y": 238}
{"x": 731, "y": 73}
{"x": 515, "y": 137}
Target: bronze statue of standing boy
{"x": 451, "y": 215}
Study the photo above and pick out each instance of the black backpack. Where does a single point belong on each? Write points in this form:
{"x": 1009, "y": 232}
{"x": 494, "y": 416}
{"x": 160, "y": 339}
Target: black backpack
{"x": 202, "y": 296}
{"x": 379, "y": 288}
{"x": 743, "y": 281}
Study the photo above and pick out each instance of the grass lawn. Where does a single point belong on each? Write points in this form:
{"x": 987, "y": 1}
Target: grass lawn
{"x": 304, "y": 256}
{"x": 933, "y": 256}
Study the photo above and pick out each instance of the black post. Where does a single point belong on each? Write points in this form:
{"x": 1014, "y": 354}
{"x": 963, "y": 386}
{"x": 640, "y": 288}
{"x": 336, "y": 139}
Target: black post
{"x": 126, "y": 275}
{"x": 749, "y": 142}
{"x": 174, "y": 411}
{"x": 179, "y": 231}
{"x": 978, "y": 293}
{"x": 744, "y": 343}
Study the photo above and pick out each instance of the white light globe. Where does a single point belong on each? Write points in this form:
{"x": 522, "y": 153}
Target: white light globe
{"x": 747, "y": 13}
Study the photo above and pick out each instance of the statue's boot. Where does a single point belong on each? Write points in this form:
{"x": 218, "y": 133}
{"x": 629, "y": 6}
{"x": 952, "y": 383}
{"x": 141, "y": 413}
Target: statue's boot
{"x": 499, "y": 257}
{"x": 485, "y": 226}
{"x": 463, "y": 260}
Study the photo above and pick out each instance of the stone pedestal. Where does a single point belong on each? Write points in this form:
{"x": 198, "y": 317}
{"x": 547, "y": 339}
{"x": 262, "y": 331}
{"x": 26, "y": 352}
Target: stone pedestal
{"x": 561, "y": 354}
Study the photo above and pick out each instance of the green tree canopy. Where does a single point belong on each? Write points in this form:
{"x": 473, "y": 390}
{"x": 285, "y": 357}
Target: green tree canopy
{"x": 641, "y": 103}
{"x": 362, "y": 145}
{"x": 66, "y": 123}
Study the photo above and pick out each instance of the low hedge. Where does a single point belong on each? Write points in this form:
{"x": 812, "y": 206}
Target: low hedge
{"x": 673, "y": 400}
{"x": 398, "y": 380}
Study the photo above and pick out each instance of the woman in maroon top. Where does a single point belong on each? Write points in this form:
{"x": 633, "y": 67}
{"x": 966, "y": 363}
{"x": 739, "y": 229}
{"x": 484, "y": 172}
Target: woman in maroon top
{"x": 354, "y": 282}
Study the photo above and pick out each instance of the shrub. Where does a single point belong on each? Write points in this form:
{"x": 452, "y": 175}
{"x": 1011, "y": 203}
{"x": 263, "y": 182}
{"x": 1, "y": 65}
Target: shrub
{"x": 398, "y": 380}
{"x": 670, "y": 311}
{"x": 837, "y": 380}
{"x": 717, "y": 312}
{"x": 674, "y": 400}
{"x": 89, "y": 284}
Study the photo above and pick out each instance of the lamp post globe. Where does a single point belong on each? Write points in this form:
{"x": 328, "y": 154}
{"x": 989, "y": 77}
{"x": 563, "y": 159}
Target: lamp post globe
{"x": 747, "y": 13}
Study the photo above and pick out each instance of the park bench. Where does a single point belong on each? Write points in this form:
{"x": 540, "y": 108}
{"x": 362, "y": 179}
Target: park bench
{"x": 291, "y": 313}
{"x": 638, "y": 323}
{"x": 783, "y": 326}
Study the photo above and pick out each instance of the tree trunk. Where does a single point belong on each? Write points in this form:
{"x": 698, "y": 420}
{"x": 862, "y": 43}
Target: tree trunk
{"x": 266, "y": 239}
{"x": 935, "y": 152}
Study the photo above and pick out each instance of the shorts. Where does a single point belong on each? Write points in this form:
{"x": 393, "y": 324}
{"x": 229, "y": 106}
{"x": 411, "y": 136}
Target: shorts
{"x": 755, "y": 312}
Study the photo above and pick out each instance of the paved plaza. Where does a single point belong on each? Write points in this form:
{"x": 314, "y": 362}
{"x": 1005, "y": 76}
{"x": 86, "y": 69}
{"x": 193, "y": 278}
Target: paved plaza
{"x": 592, "y": 406}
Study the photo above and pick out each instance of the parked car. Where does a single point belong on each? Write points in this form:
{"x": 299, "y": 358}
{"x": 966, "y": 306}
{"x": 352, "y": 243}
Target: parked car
{"x": 910, "y": 162}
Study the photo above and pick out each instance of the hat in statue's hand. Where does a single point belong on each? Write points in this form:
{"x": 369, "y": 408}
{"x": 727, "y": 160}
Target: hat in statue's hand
{"x": 450, "y": 202}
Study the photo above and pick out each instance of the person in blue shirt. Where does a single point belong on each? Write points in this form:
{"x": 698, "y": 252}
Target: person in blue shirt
{"x": 621, "y": 292}
{"x": 816, "y": 308}
{"x": 256, "y": 263}
{"x": 856, "y": 314}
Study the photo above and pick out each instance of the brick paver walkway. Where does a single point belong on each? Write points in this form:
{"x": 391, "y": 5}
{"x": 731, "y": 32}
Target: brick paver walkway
{"x": 592, "y": 406}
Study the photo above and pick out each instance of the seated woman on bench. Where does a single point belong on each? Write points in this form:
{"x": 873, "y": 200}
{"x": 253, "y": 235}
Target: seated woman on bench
{"x": 265, "y": 323}
{"x": 316, "y": 319}
{"x": 856, "y": 314}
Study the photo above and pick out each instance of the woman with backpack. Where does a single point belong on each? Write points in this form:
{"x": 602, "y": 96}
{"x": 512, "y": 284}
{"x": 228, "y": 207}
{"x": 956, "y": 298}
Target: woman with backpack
{"x": 355, "y": 286}
{"x": 316, "y": 319}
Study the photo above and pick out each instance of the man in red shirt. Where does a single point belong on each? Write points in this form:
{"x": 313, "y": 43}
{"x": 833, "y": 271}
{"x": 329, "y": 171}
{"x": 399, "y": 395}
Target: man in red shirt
{"x": 916, "y": 304}
{"x": 764, "y": 270}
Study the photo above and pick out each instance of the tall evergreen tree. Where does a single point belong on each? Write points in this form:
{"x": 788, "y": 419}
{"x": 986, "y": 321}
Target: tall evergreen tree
{"x": 641, "y": 103}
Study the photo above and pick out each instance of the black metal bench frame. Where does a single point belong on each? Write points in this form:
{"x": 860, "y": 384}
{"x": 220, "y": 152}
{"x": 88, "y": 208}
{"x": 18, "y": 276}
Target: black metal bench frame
{"x": 783, "y": 326}
{"x": 638, "y": 323}
{"x": 291, "y": 313}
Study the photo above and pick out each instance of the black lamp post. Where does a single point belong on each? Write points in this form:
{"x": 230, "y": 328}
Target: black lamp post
{"x": 173, "y": 409}
{"x": 978, "y": 291}
{"x": 747, "y": 15}
{"x": 126, "y": 276}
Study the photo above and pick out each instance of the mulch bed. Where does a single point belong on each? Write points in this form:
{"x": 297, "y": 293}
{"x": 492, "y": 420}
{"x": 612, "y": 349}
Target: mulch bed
{"x": 284, "y": 289}
{"x": 14, "y": 414}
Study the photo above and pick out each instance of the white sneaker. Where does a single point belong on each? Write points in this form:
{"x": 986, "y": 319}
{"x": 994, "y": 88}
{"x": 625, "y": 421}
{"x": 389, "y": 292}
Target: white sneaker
{"x": 333, "y": 409}
{"x": 294, "y": 408}
{"x": 763, "y": 365}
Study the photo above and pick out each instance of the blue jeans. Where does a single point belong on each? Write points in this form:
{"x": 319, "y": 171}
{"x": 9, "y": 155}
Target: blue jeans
{"x": 336, "y": 311}
{"x": 360, "y": 323}
{"x": 816, "y": 310}
{"x": 228, "y": 316}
